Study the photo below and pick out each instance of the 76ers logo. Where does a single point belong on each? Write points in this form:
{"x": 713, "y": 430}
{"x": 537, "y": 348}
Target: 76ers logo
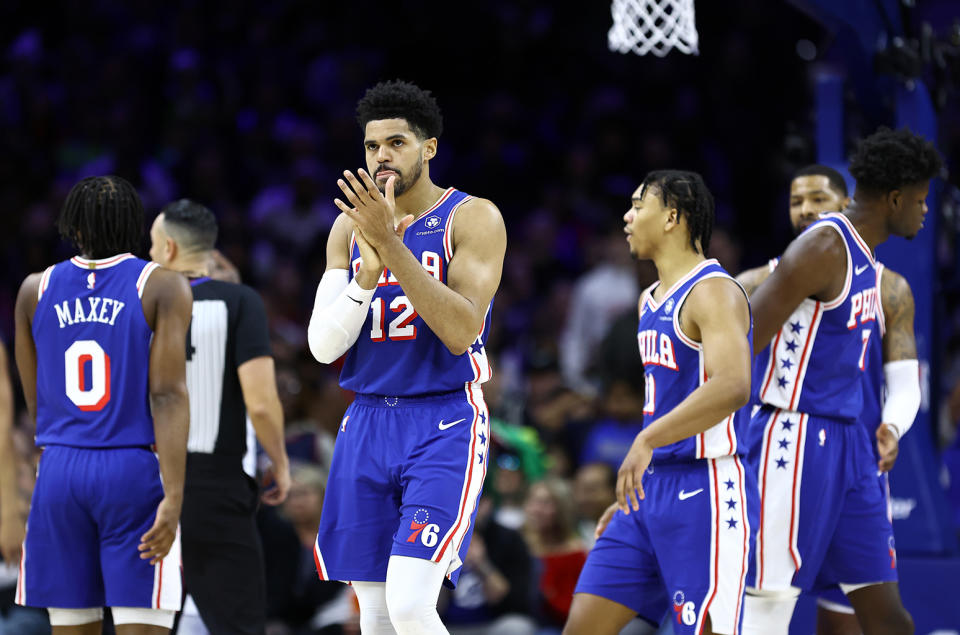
{"x": 432, "y": 222}
{"x": 686, "y": 611}
{"x": 422, "y": 527}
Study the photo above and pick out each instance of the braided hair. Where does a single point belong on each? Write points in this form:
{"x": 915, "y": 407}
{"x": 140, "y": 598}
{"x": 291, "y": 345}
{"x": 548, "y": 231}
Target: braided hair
{"x": 889, "y": 160}
{"x": 102, "y": 217}
{"x": 402, "y": 100}
{"x": 688, "y": 194}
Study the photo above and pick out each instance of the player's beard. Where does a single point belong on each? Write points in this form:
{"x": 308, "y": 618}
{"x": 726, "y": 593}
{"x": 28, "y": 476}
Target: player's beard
{"x": 402, "y": 184}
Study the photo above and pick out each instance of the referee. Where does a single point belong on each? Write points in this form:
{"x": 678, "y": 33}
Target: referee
{"x": 230, "y": 375}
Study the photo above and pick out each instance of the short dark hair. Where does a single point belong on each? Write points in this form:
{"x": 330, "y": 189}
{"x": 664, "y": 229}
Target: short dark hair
{"x": 686, "y": 192}
{"x": 398, "y": 99}
{"x": 102, "y": 217}
{"x": 889, "y": 159}
{"x": 836, "y": 179}
{"x": 194, "y": 224}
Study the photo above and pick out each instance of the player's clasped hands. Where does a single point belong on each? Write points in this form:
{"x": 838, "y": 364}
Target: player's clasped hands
{"x": 630, "y": 476}
{"x": 156, "y": 543}
{"x": 372, "y": 212}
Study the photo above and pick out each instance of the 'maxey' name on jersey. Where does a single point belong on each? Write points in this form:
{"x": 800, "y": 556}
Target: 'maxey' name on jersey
{"x": 863, "y": 304}
{"x": 656, "y": 349}
{"x": 96, "y": 309}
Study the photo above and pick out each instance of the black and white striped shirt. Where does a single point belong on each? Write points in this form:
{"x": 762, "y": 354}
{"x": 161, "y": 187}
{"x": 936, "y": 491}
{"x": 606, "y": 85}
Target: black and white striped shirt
{"x": 229, "y": 327}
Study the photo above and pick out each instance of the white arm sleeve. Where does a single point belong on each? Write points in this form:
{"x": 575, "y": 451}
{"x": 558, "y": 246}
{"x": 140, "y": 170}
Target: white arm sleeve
{"x": 903, "y": 394}
{"x": 338, "y": 314}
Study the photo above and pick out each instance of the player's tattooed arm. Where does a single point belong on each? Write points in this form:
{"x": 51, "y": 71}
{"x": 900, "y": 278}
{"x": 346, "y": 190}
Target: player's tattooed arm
{"x": 814, "y": 265}
{"x": 752, "y": 278}
{"x": 899, "y": 341}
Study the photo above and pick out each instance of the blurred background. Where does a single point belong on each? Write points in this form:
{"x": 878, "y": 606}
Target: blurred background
{"x": 248, "y": 108}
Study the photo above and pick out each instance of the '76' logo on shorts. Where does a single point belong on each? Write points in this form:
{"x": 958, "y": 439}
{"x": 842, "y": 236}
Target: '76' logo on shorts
{"x": 421, "y": 526}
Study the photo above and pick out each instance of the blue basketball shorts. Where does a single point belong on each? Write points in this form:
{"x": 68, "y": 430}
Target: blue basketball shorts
{"x": 405, "y": 480}
{"x": 685, "y": 552}
{"x": 90, "y": 508}
{"x": 832, "y": 598}
{"x": 823, "y": 517}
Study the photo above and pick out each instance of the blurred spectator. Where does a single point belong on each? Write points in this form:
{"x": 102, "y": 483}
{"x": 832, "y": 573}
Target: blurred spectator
{"x": 551, "y": 533}
{"x": 598, "y": 297}
{"x": 594, "y": 489}
{"x": 608, "y": 439}
{"x": 493, "y": 593}
{"x": 509, "y": 484}
{"x": 298, "y": 603}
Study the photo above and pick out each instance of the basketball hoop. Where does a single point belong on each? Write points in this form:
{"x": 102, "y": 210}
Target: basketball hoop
{"x": 653, "y": 26}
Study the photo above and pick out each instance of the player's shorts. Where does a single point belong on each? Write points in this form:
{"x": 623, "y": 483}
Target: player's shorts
{"x": 685, "y": 552}
{"x": 405, "y": 479}
{"x": 90, "y": 508}
{"x": 823, "y": 517}
{"x": 832, "y": 598}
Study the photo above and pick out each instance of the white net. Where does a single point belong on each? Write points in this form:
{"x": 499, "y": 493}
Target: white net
{"x": 653, "y": 26}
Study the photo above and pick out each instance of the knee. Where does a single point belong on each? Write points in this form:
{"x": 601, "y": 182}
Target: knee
{"x": 409, "y": 613}
{"x": 895, "y": 621}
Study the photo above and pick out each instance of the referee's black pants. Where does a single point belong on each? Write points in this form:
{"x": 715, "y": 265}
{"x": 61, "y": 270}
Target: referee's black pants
{"x": 222, "y": 555}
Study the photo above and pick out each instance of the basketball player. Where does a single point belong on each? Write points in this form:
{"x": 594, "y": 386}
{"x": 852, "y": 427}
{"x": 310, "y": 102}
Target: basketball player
{"x": 100, "y": 342}
{"x": 891, "y": 360}
{"x": 681, "y": 539}
{"x": 230, "y": 375}
{"x": 11, "y": 520}
{"x": 407, "y": 294}
{"x": 823, "y": 517}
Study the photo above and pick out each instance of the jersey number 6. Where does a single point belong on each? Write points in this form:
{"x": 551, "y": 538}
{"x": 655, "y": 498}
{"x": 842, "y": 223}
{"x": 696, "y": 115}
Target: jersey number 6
{"x": 86, "y": 356}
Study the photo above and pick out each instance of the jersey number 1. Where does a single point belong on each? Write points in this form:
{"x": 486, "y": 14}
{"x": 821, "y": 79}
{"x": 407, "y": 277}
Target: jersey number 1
{"x": 82, "y": 357}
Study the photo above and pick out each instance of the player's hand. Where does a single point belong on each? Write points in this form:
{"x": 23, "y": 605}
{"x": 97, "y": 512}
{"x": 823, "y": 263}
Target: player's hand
{"x": 12, "y": 531}
{"x": 371, "y": 267}
{"x": 888, "y": 447}
{"x": 156, "y": 543}
{"x": 278, "y": 479}
{"x": 605, "y": 520}
{"x": 372, "y": 213}
{"x": 630, "y": 476}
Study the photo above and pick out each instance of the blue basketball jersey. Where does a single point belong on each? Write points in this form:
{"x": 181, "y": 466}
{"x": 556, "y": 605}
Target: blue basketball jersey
{"x": 396, "y": 353}
{"x": 817, "y": 359}
{"x": 93, "y": 351}
{"x": 674, "y": 367}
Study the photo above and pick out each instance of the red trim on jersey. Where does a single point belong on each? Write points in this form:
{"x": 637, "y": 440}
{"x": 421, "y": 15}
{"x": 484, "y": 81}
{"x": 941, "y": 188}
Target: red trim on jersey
{"x": 763, "y": 495}
{"x": 679, "y": 283}
{"x": 316, "y": 561}
{"x": 856, "y": 235}
{"x": 466, "y": 489}
{"x": 22, "y": 581}
{"x": 773, "y": 363}
{"x": 100, "y": 264}
{"x": 144, "y": 276}
{"x": 730, "y": 432}
{"x": 716, "y": 548}
{"x": 159, "y": 584}
{"x": 439, "y": 202}
{"x": 793, "y": 492}
{"x": 746, "y": 547}
{"x": 803, "y": 357}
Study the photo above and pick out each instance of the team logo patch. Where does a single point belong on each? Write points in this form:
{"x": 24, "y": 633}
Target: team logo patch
{"x": 432, "y": 221}
{"x": 91, "y": 280}
{"x": 822, "y": 437}
{"x": 686, "y": 611}
{"x": 893, "y": 553}
{"x": 422, "y": 528}
{"x": 678, "y": 598}
{"x": 668, "y": 307}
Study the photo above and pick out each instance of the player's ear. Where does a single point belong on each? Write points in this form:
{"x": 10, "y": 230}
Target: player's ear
{"x": 171, "y": 249}
{"x": 429, "y": 148}
{"x": 673, "y": 219}
{"x": 845, "y": 202}
{"x": 894, "y": 199}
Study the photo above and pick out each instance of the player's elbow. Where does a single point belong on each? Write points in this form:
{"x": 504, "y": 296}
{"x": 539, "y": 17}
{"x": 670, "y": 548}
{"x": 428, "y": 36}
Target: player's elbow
{"x": 738, "y": 391}
{"x": 169, "y": 396}
{"x": 325, "y": 342}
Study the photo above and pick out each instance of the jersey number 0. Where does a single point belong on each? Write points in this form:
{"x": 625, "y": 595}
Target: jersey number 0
{"x": 82, "y": 357}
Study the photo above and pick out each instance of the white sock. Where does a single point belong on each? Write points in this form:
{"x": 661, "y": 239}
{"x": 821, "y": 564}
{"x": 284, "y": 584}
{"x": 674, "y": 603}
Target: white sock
{"x": 374, "y": 618}
{"x": 768, "y": 612}
{"x": 413, "y": 585}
